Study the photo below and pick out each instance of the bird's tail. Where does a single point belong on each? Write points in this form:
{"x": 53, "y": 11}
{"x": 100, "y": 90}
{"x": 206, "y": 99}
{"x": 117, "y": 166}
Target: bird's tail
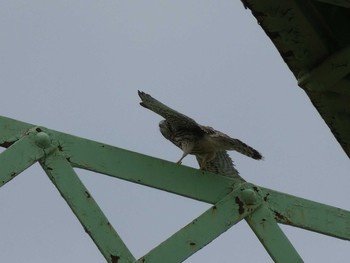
{"x": 245, "y": 149}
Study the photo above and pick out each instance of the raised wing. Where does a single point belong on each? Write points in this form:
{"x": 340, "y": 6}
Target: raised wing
{"x": 221, "y": 164}
{"x": 176, "y": 119}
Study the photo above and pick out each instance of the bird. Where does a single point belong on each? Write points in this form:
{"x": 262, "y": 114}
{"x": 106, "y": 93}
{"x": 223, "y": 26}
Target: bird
{"x": 207, "y": 144}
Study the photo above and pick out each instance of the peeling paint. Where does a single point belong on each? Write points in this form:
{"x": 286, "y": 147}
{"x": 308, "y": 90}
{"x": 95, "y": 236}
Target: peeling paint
{"x": 115, "y": 259}
{"x": 193, "y": 245}
{"x": 266, "y": 197}
{"x": 6, "y": 144}
{"x": 110, "y": 226}
{"x": 240, "y": 205}
{"x": 280, "y": 217}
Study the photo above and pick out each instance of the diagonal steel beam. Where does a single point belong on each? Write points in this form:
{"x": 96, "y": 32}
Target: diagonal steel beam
{"x": 86, "y": 209}
{"x": 327, "y": 73}
{"x": 342, "y": 3}
{"x": 204, "y": 229}
{"x": 271, "y": 236}
{"x": 22, "y": 154}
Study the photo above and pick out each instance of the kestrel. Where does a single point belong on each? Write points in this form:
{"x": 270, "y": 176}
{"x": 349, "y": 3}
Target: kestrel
{"x": 207, "y": 144}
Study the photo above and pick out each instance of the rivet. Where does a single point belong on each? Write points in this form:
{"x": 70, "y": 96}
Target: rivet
{"x": 42, "y": 139}
{"x": 249, "y": 197}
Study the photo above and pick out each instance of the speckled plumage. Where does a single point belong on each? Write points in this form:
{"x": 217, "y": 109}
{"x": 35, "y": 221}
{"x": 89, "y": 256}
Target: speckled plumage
{"x": 207, "y": 144}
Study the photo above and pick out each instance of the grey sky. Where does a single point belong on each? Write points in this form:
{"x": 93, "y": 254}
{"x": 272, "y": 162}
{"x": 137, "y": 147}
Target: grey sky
{"x": 76, "y": 66}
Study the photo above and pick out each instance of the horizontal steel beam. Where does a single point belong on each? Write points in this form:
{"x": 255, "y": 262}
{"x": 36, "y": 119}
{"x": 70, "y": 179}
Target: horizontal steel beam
{"x": 306, "y": 214}
{"x": 131, "y": 166}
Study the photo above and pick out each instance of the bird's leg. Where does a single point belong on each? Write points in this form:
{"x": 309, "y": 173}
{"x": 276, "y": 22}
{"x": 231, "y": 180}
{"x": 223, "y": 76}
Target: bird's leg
{"x": 186, "y": 148}
{"x": 206, "y": 158}
{"x": 183, "y": 156}
{"x": 203, "y": 164}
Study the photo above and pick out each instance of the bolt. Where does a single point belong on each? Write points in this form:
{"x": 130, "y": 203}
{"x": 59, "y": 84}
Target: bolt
{"x": 42, "y": 140}
{"x": 249, "y": 197}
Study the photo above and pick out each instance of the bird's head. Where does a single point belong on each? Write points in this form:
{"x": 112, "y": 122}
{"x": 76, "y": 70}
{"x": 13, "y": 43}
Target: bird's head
{"x": 165, "y": 129}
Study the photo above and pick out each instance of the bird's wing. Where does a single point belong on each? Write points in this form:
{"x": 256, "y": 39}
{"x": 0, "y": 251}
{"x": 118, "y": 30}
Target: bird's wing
{"x": 225, "y": 142}
{"x": 221, "y": 164}
{"x": 176, "y": 119}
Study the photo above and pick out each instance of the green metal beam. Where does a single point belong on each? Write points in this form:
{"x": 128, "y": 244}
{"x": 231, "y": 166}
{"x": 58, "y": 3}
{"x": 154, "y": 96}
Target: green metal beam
{"x": 22, "y": 154}
{"x": 342, "y": 3}
{"x": 328, "y": 73}
{"x": 234, "y": 199}
{"x": 134, "y": 167}
{"x": 220, "y": 217}
{"x": 272, "y": 237}
{"x": 306, "y": 214}
{"x": 86, "y": 210}
{"x": 313, "y": 41}
{"x": 12, "y": 130}
{"x": 146, "y": 170}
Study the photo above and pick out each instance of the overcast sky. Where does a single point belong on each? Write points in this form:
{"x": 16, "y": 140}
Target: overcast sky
{"x": 76, "y": 66}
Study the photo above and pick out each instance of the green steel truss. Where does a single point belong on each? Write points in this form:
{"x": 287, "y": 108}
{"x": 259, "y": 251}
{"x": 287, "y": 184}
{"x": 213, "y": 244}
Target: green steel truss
{"x": 233, "y": 200}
